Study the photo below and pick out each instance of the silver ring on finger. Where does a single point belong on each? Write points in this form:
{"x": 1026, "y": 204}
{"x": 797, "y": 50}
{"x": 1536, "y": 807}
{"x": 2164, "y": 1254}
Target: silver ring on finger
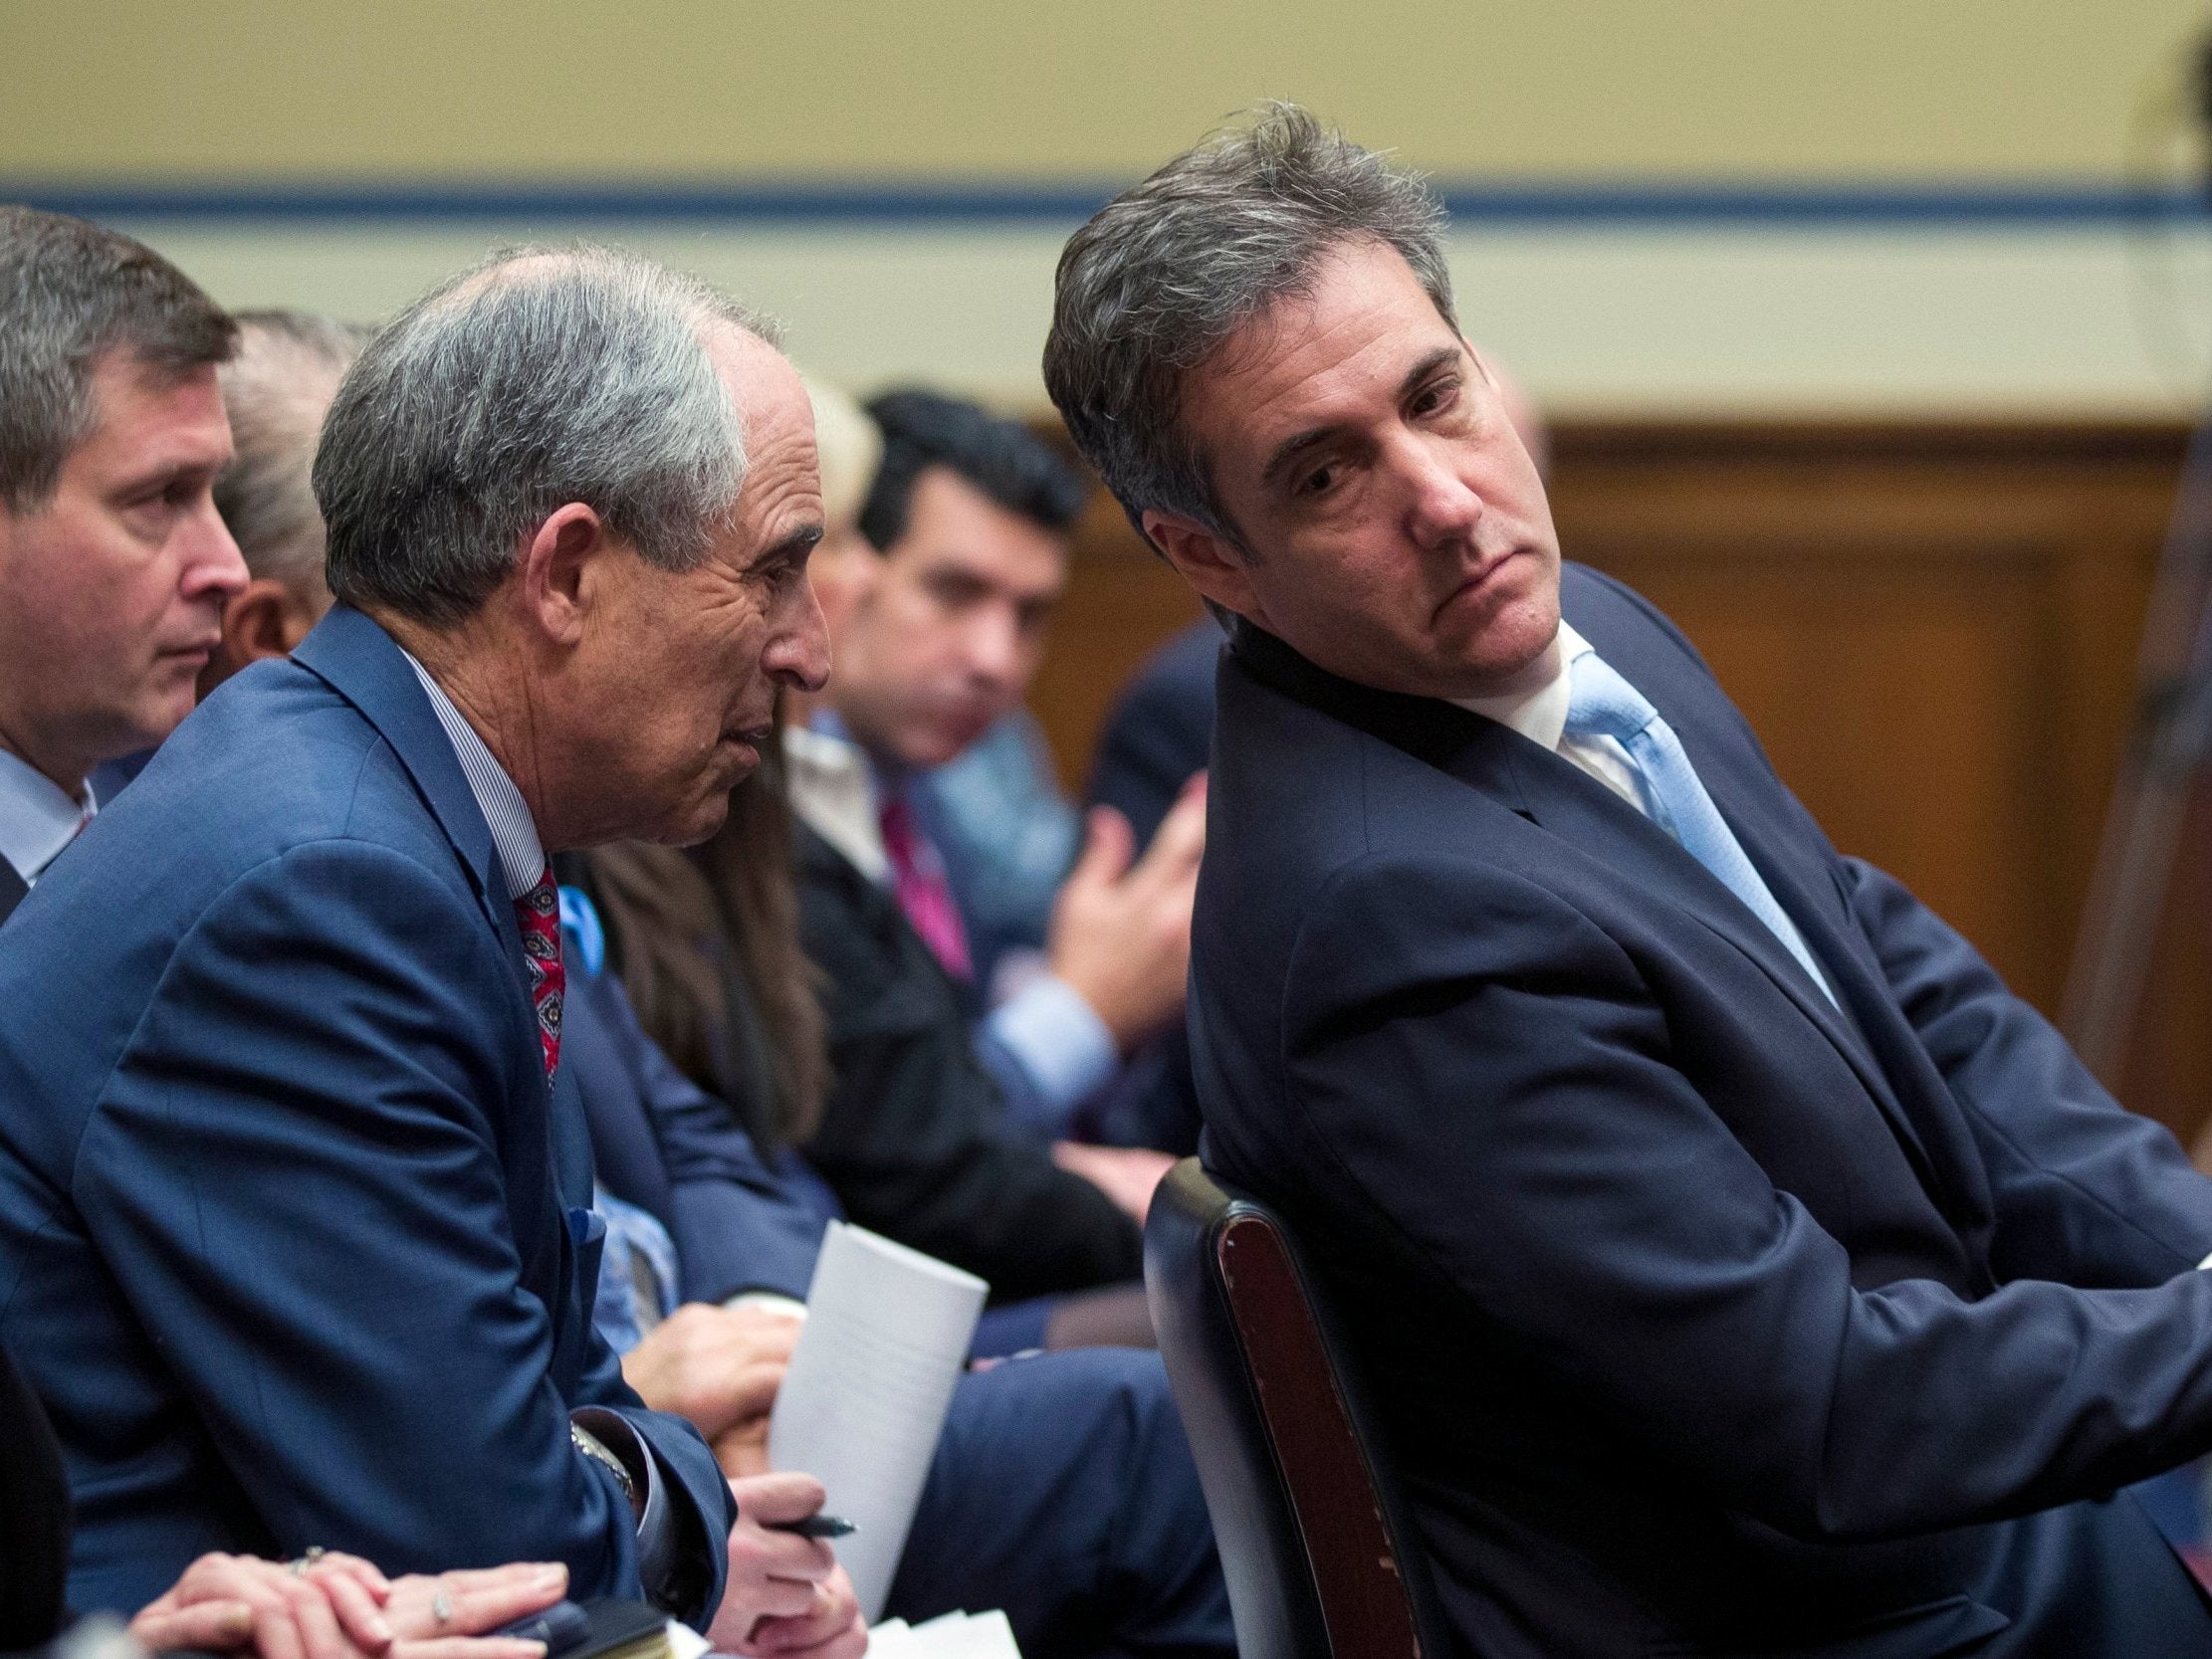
{"x": 441, "y": 1609}
{"x": 299, "y": 1566}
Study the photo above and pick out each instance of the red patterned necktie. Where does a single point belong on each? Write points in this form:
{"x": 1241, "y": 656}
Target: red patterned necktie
{"x": 539, "y": 914}
{"x": 923, "y": 892}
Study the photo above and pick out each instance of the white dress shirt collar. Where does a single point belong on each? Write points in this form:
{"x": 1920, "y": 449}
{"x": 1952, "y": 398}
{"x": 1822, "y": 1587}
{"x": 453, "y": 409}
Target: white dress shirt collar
{"x": 522, "y": 855}
{"x": 1539, "y": 716}
{"x": 37, "y": 817}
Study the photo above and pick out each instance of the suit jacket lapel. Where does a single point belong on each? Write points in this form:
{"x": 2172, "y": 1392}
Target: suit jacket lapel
{"x": 1584, "y": 814}
{"x": 1940, "y": 1142}
{"x": 1766, "y": 823}
{"x": 1581, "y": 811}
{"x": 365, "y": 665}
{"x": 12, "y": 889}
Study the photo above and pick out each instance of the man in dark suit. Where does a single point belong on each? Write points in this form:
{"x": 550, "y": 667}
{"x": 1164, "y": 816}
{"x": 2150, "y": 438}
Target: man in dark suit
{"x": 287, "y": 1234}
{"x": 113, "y": 565}
{"x": 1742, "y": 1269}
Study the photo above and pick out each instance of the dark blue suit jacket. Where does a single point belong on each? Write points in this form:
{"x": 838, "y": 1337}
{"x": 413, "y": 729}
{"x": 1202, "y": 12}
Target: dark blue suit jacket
{"x": 284, "y": 1235}
{"x": 1160, "y": 730}
{"x": 1704, "y": 1318}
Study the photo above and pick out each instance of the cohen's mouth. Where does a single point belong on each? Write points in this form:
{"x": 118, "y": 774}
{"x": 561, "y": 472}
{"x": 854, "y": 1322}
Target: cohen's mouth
{"x": 1476, "y": 583}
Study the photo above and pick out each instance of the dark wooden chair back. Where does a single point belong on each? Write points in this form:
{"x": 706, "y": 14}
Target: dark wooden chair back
{"x": 1320, "y": 1558}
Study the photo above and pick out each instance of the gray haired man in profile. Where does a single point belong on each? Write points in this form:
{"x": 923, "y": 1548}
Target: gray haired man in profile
{"x": 1745, "y": 1270}
{"x": 296, "y": 1234}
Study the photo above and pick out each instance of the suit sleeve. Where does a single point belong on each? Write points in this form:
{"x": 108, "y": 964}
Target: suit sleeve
{"x": 293, "y": 1177}
{"x": 914, "y": 1137}
{"x": 661, "y": 1142}
{"x": 1542, "y": 1153}
{"x": 2086, "y": 1193}
{"x": 34, "y": 1512}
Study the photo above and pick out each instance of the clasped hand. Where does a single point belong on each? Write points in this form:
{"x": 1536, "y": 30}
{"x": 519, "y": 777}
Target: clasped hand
{"x": 338, "y": 1606}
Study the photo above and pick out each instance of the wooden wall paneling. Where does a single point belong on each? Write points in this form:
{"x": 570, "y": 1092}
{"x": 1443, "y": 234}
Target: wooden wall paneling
{"x": 1122, "y": 602}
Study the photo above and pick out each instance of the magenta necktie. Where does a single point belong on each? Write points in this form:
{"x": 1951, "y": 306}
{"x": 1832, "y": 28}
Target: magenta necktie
{"x": 537, "y": 912}
{"x": 922, "y": 890}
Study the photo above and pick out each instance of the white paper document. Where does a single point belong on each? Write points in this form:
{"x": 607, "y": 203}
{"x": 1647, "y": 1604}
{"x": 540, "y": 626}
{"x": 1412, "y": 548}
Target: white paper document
{"x": 952, "y": 1637}
{"x": 886, "y": 1334}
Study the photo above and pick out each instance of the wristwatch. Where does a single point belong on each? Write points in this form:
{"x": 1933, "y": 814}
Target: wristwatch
{"x": 595, "y": 1449}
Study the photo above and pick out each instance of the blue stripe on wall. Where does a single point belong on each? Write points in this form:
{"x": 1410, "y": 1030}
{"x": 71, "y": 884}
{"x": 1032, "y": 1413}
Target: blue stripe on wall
{"x": 1510, "y": 204}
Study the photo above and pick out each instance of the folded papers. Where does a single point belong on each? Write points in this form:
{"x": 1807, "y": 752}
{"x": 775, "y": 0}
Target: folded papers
{"x": 864, "y": 1400}
{"x": 953, "y": 1637}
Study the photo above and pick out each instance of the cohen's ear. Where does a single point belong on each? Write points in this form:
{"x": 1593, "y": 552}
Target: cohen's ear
{"x": 1206, "y": 561}
{"x": 563, "y": 572}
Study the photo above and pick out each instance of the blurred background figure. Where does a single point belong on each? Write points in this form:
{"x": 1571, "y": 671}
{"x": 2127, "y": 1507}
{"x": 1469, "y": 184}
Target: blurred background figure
{"x": 1008, "y": 838}
{"x": 937, "y": 612}
{"x": 277, "y": 387}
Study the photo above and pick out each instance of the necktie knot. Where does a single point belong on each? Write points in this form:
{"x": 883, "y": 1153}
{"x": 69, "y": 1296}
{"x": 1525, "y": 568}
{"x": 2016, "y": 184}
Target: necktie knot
{"x": 537, "y": 914}
{"x": 1602, "y": 705}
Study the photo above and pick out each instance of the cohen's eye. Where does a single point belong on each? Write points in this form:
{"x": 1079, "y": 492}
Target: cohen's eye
{"x": 1436, "y": 398}
{"x": 1319, "y": 481}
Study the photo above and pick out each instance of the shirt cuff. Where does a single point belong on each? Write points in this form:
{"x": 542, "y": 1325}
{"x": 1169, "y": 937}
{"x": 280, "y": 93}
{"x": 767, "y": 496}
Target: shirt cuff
{"x": 2206, "y": 1263}
{"x": 656, "y": 1543}
{"x": 1057, "y": 1038}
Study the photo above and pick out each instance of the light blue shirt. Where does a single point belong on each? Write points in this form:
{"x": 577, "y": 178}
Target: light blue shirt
{"x": 37, "y": 817}
{"x": 637, "y": 1273}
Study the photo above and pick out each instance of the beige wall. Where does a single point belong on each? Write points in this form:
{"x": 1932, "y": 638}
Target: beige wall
{"x": 1749, "y": 321}
{"x": 1598, "y": 318}
{"x": 1071, "y": 89}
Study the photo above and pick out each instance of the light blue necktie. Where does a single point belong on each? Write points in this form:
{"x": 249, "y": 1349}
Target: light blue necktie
{"x": 1601, "y": 703}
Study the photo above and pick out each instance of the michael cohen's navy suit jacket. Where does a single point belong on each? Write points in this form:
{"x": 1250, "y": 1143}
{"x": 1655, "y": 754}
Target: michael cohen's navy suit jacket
{"x": 1703, "y": 1317}
{"x": 282, "y": 1241}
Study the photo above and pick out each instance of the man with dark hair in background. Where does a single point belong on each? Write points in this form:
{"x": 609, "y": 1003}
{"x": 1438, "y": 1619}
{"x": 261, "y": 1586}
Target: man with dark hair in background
{"x": 940, "y": 1136}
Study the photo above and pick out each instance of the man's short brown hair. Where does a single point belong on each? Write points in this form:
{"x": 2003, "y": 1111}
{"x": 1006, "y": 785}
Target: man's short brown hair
{"x": 70, "y": 294}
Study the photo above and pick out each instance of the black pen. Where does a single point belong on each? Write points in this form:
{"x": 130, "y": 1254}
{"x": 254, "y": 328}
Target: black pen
{"x": 814, "y": 1525}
